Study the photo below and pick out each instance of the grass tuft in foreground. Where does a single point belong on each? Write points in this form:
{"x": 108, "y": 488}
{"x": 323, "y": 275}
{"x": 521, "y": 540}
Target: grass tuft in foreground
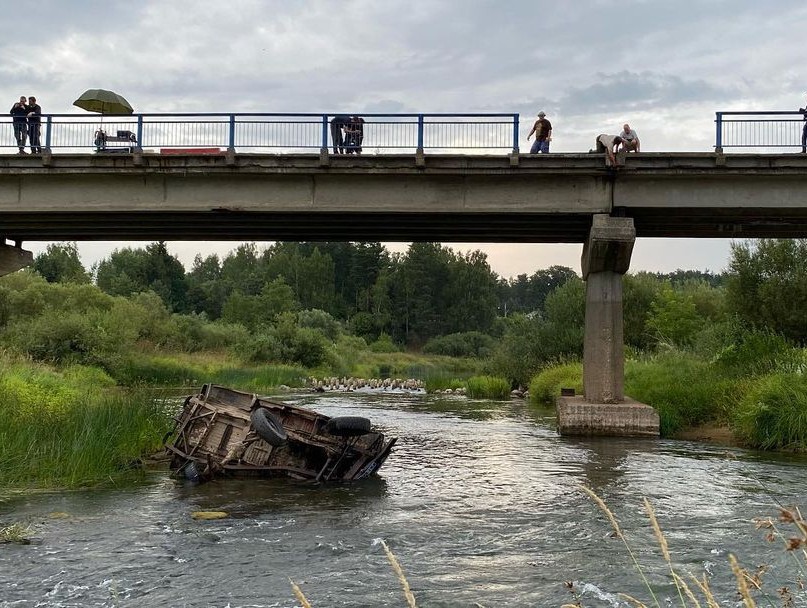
{"x": 396, "y": 567}
{"x": 750, "y": 585}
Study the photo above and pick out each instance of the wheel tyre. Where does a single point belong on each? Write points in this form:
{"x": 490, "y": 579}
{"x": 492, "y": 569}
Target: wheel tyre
{"x": 348, "y": 426}
{"x": 268, "y": 427}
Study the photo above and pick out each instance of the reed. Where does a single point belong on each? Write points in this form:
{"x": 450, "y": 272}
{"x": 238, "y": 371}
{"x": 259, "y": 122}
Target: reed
{"x": 488, "y": 387}
{"x": 298, "y": 593}
{"x": 396, "y": 567}
{"x": 794, "y": 540}
{"x": 77, "y": 437}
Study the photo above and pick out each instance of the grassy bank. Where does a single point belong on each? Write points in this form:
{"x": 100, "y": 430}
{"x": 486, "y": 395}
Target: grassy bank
{"x": 73, "y": 427}
{"x": 765, "y": 408}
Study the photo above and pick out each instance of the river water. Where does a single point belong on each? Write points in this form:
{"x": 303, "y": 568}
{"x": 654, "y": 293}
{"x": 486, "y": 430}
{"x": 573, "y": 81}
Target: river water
{"x": 480, "y": 501}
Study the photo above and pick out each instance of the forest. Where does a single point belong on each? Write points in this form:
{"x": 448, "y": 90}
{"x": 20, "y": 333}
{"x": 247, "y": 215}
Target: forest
{"x": 702, "y": 348}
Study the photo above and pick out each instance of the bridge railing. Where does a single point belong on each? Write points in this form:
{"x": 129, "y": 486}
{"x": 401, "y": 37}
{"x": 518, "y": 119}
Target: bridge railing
{"x": 758, "y": 130}
{"x": 383, "y": 133}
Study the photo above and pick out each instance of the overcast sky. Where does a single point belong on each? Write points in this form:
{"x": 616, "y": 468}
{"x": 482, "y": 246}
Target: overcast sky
{"x": 663, "y": 66}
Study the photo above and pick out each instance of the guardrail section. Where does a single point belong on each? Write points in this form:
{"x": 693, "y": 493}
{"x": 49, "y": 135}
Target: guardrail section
{"x": 380, "y": 133}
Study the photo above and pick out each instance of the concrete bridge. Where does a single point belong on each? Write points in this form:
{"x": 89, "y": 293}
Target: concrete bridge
{"x": 505, "y": 198}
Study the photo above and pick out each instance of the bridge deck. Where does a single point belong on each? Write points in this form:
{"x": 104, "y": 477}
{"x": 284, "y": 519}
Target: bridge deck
{"x": 546, "y": 198}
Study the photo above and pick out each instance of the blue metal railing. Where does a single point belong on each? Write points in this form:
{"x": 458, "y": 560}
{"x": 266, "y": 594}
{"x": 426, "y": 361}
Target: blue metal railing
{"x": 383, "y": 133}
{"x": 759, "y": 130}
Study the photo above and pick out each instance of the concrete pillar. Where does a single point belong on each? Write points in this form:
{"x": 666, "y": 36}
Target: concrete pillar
{"x": 603, "y": 347}
{"x": 604, "y": 409}
{"x": 13, "y": 258}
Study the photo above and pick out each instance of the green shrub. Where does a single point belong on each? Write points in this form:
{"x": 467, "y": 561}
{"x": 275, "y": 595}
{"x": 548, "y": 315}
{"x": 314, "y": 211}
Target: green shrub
{"x": 773, "y": 413}
{"x": 321, "y": 321}
{"x": 756, "y": 352}
{"x": 545, "y": 385}
{"x": 384, "y": 344}
{"x": 464, "y": 344}
{"x": 488, "y": 387}
{"x": 684, "y": 389}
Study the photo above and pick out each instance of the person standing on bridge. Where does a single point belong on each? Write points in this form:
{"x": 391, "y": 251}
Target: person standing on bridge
{"x": 34, "y": 119}
{"x": 804, "y": 130}
{"x": 543, "y": 134}
{"x": 630, "y": 141}
{"x": 19, "y": 111}
{"x": 337, "y": 123}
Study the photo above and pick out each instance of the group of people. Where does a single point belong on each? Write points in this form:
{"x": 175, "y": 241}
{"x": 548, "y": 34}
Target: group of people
{"x": 627, "y": 140}
{"x": 347, "y": 134}
{"x": 27, "y": 117}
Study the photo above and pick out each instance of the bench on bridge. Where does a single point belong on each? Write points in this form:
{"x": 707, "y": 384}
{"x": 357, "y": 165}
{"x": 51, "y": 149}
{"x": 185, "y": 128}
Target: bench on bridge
{"x": 102, "y": 139}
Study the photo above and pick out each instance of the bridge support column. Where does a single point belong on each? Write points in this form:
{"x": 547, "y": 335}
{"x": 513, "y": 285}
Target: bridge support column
{"x": 13, "y": 258}
{"x": 604, "y": 409}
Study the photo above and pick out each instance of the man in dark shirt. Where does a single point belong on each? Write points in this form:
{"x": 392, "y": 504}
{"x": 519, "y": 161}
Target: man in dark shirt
{"x": 337, "y": 122}
{"x": 34, "y": 118}
{"x": 20, "y": 111}
{"x": 354, "y": 135}
{"x": 543, "y": 135}
{"x": 804, "y": 131}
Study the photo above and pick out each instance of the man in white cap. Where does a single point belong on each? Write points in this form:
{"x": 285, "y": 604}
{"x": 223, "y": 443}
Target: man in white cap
{"x": 543, "y": 134}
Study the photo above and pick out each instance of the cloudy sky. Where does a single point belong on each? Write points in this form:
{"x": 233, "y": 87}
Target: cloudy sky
{"x": 664, "y": 66}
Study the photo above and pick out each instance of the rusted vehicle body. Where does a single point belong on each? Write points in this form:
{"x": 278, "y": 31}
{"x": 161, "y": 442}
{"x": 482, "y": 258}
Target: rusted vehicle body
{"x": 222, "y": 431}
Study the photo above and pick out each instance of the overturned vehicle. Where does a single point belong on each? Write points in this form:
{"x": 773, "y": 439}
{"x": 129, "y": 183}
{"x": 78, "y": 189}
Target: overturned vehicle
{"x": 221, "y": 432}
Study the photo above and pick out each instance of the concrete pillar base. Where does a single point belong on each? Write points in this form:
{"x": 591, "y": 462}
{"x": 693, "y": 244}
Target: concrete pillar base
{"x": 576, "y": 416}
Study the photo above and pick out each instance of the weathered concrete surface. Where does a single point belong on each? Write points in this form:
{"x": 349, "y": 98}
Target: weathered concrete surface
{"x": 606, "y": 257}
{"x": 609, "y": 245}
{"x": 603, "y": 342}
{"x": 455, "y": 198}
{"x": 604, "y": 409}
{"x": 13, "y": 259}
{"x": 577, "y": 416}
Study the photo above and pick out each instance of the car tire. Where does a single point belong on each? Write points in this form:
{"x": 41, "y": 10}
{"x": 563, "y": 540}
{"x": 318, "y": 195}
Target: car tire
{"x": 268, "y": 427}
{"x": 348, "y": 426}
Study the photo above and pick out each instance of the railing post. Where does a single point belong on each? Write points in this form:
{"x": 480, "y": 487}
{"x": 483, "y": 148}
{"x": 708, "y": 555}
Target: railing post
{"x": 515, "y": 133}
{"x": 140, "y": 131}
{"x": 48, "y": 128}
{"x": 719, "y": 132}
{"x": 231, "y": 136}
{"x": 420, "y": 134}
{"x": 324, "y": 147}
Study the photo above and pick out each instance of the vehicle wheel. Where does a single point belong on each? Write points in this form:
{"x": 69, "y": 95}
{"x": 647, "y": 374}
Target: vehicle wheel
{"x": 268, "y": 426}
{"x": 348, "y": 426}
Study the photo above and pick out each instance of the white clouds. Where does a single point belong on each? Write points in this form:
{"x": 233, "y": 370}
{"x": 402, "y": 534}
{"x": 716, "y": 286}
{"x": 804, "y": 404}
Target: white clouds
{"x": 664, "y": 66}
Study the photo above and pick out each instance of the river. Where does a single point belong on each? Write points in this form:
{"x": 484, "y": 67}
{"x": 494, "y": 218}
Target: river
{"x": 480, "y": 501}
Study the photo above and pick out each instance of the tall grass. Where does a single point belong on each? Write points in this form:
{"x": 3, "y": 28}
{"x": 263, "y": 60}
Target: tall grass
{"x": 58, "y": 432}
{"x": 545, "y": 385}
{"x": 772, "y": 415}
{"x": 751, "y": 587}
{"x": 488, "y": 387}
{"x": 684, "y": 389}
{"x": 190, "y": 371}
